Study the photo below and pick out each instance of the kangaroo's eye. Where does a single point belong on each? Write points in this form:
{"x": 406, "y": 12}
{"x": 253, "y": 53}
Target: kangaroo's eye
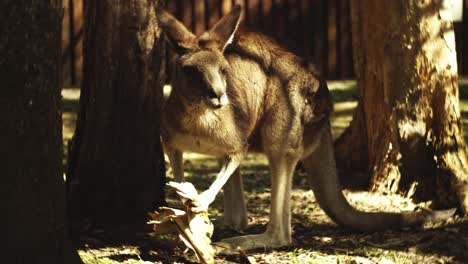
{"x": 223, "y": 71}
{"x": 191, "y": 74}
{"x": 211, "y": 94}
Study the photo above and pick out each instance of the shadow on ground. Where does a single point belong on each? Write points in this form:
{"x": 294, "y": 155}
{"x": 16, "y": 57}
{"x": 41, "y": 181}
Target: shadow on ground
{"x": 316, "y": 238}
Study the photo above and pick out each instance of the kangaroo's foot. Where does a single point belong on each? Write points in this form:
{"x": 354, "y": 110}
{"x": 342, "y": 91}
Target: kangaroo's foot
{"x": 265, "y": 240}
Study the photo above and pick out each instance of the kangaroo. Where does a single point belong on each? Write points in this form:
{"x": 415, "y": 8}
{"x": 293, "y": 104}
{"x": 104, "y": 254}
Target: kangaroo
{"x": 236, "y": 92}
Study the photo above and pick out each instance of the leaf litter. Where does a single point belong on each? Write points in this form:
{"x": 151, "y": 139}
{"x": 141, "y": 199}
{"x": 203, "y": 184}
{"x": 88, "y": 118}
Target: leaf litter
{"x": 316, "y": 239}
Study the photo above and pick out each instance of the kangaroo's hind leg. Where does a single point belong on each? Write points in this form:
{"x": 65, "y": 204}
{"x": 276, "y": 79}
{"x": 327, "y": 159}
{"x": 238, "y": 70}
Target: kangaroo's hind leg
{"x": 235, "y": 213}
{"x": 278, "y": 231}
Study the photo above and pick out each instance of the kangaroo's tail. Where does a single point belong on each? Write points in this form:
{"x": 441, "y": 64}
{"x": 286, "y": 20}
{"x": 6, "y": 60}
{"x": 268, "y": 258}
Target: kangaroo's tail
{"x": 322, "y": 176}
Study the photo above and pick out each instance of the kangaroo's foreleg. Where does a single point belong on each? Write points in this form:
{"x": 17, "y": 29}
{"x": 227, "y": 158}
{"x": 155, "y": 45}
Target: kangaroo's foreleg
{"x": 235, "y": 213}
{"x": 208, "y": 196}
{"x": 177, "y": 164}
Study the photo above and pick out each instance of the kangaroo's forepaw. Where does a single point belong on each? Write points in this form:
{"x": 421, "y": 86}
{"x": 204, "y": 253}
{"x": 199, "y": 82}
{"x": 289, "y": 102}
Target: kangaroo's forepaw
{"x": 202, "y": 203}
{"x": 197, "y": 207}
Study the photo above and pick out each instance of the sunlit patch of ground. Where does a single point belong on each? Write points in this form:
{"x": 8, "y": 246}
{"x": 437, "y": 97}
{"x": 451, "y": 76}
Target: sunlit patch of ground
{"x": 344, "y": 95}
{"x": 342, "y": 116}
{"x": 70, "y": 98}
{"x": 316, "y": 238}
{"x": 108, "y": 255}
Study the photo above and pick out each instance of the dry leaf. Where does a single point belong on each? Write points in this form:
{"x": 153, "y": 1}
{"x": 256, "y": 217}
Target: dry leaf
{"x": 194, "y": 230}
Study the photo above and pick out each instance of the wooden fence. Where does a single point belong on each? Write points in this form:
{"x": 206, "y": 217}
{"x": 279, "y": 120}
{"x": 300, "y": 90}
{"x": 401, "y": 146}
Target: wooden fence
{"x": 318, "y": 30}
{"x": 72, "y": 42}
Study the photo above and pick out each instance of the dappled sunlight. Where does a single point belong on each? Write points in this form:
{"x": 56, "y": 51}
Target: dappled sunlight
{"x": 342, "y": 116}
{"x": 110, "y": 254}
{"x": 344, "y": 85}
{"x": 344, "y": 96}
{"x": 463, "y": 86}
{"x": 68, "y": 126}
{"x": 317, "y": 239}
{"x": 70, "y": 98}
{"x": 316, "y": 236}
{"x": 71, "y": 94}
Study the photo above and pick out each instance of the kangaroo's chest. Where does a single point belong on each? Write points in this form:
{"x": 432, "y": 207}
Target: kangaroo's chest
{"x": 209, "y": 133}
{"x": 187, "y": 142}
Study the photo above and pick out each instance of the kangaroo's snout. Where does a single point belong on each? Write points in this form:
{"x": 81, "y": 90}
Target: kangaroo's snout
{"x": 218, "y": 101}
{"x": 204, "y": 73}
{"x": 216, "y": 84}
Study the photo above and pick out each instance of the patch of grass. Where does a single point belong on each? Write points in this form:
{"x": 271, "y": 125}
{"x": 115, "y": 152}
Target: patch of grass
{"x": 463, "y": 88}
{"x": 70, "y": 99}
{"x": 342, "y": 91}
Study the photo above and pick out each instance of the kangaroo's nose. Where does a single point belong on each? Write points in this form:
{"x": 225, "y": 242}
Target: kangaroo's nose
{"x": 219, "y": 101}
{"x": 223, "y": 99}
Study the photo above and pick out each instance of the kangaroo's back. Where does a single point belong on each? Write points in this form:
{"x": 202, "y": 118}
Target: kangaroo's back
{"x": 270, "y": 82}
{"x": 265, "y": 51}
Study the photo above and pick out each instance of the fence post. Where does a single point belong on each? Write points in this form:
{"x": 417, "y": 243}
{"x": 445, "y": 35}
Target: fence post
{"x": 71, "y": 33}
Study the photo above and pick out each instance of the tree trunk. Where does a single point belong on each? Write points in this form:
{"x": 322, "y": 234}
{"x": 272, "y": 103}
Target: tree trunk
{"x": 116, "y": 165}
{"x": 408, "y": 120}
{"x": 32, "y": 192}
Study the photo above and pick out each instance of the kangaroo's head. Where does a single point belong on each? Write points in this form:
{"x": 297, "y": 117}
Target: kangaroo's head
{"x": 201, "y": 70}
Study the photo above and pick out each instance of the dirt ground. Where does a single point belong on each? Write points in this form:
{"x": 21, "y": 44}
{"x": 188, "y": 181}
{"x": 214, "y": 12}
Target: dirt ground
{"x": 316, "y": 238}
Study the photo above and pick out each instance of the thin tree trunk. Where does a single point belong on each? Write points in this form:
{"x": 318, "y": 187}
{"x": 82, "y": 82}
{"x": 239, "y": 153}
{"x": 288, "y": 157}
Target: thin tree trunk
{"x": 408, "y": 109}
{"x": 32, "y": 192}
{"x": 116, "y": 165}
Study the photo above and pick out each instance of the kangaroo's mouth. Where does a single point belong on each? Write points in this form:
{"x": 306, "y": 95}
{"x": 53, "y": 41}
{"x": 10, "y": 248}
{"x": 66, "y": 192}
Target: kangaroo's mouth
{"x": 217, "y": 102}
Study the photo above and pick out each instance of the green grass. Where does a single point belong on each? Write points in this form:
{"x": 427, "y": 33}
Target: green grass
{"x": 343, "y": 91}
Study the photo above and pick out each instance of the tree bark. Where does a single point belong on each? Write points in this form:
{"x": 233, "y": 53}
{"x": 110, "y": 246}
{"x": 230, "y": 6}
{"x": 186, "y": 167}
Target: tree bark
{"x": 116, "y": 164}
{"x": 32, "y": 192}
{"x": 408, "y": 120}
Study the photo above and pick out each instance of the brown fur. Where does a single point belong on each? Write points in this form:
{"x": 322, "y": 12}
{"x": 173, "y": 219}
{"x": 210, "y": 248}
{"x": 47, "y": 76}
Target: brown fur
{"x": 276, "y": 106}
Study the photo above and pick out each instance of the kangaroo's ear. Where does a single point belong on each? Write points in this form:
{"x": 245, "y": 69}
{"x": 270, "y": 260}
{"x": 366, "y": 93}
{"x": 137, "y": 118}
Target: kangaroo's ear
{"x": 179, "y": 36}
{"x": 222, "y": 33}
